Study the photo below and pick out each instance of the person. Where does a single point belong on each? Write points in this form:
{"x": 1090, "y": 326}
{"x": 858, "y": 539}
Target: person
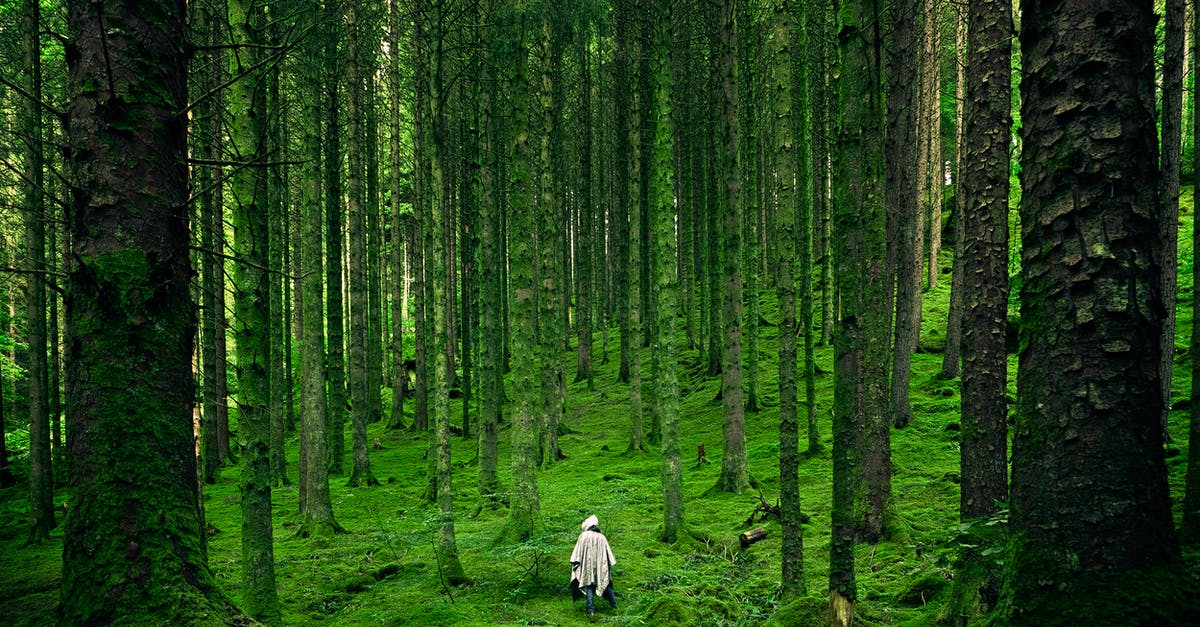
{"x": 591, "y": 566}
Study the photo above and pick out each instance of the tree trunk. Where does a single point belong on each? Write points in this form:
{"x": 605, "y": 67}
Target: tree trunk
{"x": 1090, "y": 502}
{"x": 523, "y": 504}
{"x": 1190, "y": 531}
{"x": 491, "y": 345}
{"x": 41, "y": 474}
{"x": 316, "y": 505}
{"x": 903, "y": 210}
{"x": 334, "y": 242}
{"x": 359, "y": 368}
{"x": 399, "y": 381}
{"x": 951, "y": 354}
{"x": 663, "y": 219}
{"x": 133, "y": 547}
{"x": 787, "y": 79}
{"x": 735, "y": 476}
{"x": 931, "y": 137}
{"x": 1172, "y": 148}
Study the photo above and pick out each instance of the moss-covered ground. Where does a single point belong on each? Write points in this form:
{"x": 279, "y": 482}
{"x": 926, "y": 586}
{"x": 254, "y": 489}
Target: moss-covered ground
{"x": 383, "y": 570}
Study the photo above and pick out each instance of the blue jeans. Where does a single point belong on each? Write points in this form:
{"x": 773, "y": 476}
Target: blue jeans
{"x": 590, "y": 593}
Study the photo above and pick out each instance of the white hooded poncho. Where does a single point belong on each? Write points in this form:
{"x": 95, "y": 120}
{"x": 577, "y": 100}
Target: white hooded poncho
{"x": 591, "y": 559}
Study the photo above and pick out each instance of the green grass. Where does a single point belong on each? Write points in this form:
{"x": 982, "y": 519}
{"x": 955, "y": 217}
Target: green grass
{"x": 383, "y": 570}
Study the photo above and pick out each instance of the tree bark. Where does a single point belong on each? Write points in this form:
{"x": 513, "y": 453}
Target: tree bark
{"x": 735, "y": 476}
{"x": 1090, "y": 502}
{"x": 1172, "y": 148}
{"x": 133, "y": 547}
{"x": 1190, "y": 531}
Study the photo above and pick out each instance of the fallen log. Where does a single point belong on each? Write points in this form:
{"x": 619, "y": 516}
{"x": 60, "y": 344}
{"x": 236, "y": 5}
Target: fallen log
{"x": 750, "y": 537}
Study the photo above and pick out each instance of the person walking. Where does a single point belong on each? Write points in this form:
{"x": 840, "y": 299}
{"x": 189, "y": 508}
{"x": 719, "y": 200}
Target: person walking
{"x": 591, "y": 566}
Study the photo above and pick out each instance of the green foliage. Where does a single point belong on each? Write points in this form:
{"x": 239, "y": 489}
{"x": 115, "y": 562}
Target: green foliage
{"x": 384, "y": 570}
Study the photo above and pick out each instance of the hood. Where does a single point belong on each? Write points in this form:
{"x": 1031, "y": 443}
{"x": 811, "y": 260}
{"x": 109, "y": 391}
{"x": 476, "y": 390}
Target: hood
{"x": 591, "y": 521}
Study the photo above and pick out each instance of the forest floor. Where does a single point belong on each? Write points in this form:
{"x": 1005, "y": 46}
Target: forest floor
{"x": 383, "y": 569}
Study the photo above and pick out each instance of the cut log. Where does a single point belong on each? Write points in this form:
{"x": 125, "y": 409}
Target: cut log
{"x": 750, "y": 537}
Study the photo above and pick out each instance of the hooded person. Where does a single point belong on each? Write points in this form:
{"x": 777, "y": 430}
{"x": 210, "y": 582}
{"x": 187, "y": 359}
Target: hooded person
{"x": 591, "y": 564}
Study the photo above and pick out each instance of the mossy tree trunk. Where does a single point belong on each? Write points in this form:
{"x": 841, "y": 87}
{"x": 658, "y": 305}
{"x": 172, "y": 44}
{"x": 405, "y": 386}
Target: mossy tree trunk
{"x": 133, "y": 547}
{"x": 625, "y": 71}
{"x": 252, "y": 315}
{"x": 1090, "y": 502}
{"x": 41, "y": 473}
{"x": 550, "y": 270}
{"x": 929, "y": 134}
{"x": 735, "y": 476}
{"x": 663, "y": 219}
{"x": 584, "y": 292}
{"x": 359, "y": 366}
{"x": 786, "y": 77}
{"x": 491, "y": 345}
{"x": 523, "y": 504}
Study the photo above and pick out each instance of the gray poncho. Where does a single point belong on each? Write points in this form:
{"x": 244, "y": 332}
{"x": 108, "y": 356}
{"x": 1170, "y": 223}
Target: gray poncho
{"x": 591, "y": 559}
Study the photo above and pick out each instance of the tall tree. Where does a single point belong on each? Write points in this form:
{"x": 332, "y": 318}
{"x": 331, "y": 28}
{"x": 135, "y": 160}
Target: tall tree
{"x": 396, "y": 284}
{"x": 133, "y": 548}
{"x": 904, "y": 213}
{"x": 1190, "y": 532}
{"x": 359, "y": 364}
{"x": 335, "y": 237}
{"x": 1090, "y": 503}
{"x": 663, "y": 219}
{"x": 983, "y": 182}
{"x": 929, "y": 134}
{"x": 735, "y": 476}
{"x": 523, "y": 504}
{"x": 41, "y": 474}
{"x": 491, "y": 346}
{"x": 251, "y": 282}
{"x": 952, "y": 354}
{"x": 1171, "y": 154}
{"x": 584, "y": 257}
{"x": 789, "y": 150}
{"x": 316, "y": 506}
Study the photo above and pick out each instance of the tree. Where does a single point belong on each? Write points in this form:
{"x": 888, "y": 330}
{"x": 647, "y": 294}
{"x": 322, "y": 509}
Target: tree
{"x": 335, "y": 429}
{"x": 735, "y": 476}
{"x": 1172, "y": 140}
{"x": 252, "y": 314}
{"x": 316, "y": 506}
{"x": 41, "y": 474}
{"x": 133, "y": 548}
{"x": 360, "y": 366}
{"x": 1190, "y": 532}
{"x": 983, "y": 183}
{"x": 523, "y": 504}
{"x": 904, "y": 213}
{"x": 789, "y": 151}
{"x": 1090, "y": 506}
{"x": 663, "y": 219}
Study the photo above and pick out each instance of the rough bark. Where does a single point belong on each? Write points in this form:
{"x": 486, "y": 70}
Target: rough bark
{"x": 903, "y": 210}
{"x": 335, "y": 200}
{"x": 523, "y": 504}
{"x": 1190, "y": 531}
{"x": 735, "y": 476}
{"x": 133, "y": 548}
{"x": 788, "y": 149}
{"x": 1090, "y": 505}
{"x": 663, "y": 218}
{"x": 952, "y": 353}
{"x": 931, "y": 137}
{"x": 251, "y": 302}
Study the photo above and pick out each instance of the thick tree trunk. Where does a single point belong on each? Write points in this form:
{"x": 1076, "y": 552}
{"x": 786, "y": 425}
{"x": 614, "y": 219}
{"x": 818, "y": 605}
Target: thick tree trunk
{"x": 133, "y": 547}
{"x": 334, "y": 245}
{"x": 491, "y": 345}
{"x": 1090, "y": 502}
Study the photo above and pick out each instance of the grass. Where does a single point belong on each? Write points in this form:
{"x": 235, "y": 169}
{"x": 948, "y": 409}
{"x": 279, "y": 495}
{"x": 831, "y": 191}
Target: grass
{"x": 383, "y": 570}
